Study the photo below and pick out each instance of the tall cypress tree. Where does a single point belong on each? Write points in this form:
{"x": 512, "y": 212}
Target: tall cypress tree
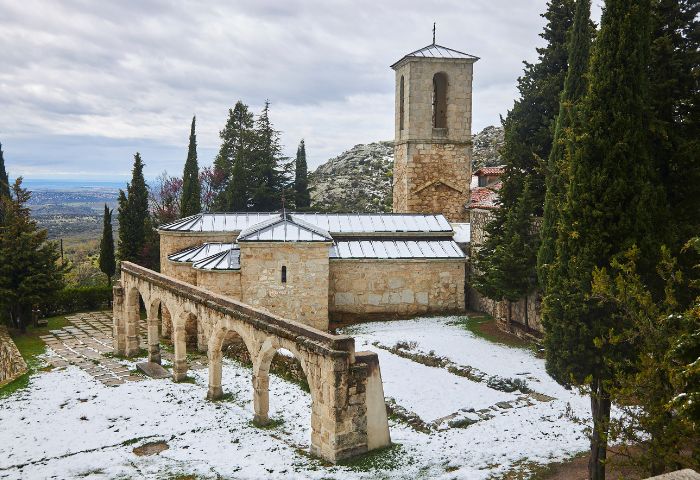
{"x": 613, "y": 202}
{"x": 267, "y": 180}
{"x": 4, "y": 178}
{"x": 556, "y": 172}
{"x": 528, "y": 131}
{"x": 191, "y": 201}
{"x": 133, "y": 215}
{"x": 108, "y": 265}
{"x": 301, "y": 178}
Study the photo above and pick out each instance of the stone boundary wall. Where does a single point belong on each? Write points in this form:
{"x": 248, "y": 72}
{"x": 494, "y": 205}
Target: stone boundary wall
{"x": 365, "y": 289}
{"x": 12, "y": 365}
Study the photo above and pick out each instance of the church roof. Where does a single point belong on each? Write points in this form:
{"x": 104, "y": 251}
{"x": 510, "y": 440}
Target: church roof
{"x": 339, "y": 224}
{"x": 227, "y": 260}
{"x": 389, "y": 249}
{"x": 200, "y": 252}
{"x": 284, "y": 228}
{"x": 437, "y": 51}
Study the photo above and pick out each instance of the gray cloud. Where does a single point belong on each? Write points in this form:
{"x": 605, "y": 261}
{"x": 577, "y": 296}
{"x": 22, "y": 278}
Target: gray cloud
{"x": 84, "y": 84}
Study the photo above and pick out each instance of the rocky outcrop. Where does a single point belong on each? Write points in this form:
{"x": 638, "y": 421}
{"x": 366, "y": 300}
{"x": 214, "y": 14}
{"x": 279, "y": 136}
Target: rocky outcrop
{"x": 360, "y": 179}
{"x": 12, "y": 365}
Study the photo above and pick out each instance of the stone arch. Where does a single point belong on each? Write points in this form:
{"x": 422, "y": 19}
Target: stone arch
{"x": 158, "y": 317}
{"x": 440, "y": 100}
{"x": 261, "y": 382}
{"x": 185, "y": 317}
{"x": 221, "y": 329}
{"x": 132, "y": 309}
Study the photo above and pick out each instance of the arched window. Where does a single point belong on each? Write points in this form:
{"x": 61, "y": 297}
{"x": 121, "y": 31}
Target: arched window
{"x": 401, "y": 103}
{"x": 440, "y": 100}
{"x": 284, "y": 274}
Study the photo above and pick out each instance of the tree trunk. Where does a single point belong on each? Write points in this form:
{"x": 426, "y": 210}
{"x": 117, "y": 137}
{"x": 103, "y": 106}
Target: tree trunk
{"x": 600, "y": 409}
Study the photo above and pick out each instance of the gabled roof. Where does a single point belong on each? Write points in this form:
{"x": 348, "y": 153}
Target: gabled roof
{"x": 497, "y": 170}
{"x": 199, "y": 252}
{"x": 438, "y": 51}
{"x": 226, "y": 260}
{"x": 284, "y": 228}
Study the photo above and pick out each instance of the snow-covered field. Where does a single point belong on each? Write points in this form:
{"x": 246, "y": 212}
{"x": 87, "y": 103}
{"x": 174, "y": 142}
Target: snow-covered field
{"x": 67, "y": 424}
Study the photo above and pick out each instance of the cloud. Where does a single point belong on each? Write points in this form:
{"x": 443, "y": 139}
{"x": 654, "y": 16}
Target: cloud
{"x": 86, "y": 84}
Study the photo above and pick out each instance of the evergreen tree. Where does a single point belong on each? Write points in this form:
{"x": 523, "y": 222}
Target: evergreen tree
{"x": 191, "y": 190}
{"x": 613, "y": 202}
{"x": 301, "y": 180}
{"x": 267, "y": 181}
{"x": 564, "y": 133}
{"x": 133, "y": 215}
{"x": 108, "y": 265}
{"x": 4, "y": 178}
{"x": 230, "y": 163}
{"x": 528, "y": 131}
{"x": 29, "y": 269}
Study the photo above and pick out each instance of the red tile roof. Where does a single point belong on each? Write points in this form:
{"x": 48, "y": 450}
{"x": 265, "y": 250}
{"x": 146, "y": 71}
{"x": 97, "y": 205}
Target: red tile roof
{"x": 490, "y": 171}
{"x": 484, "y": 197}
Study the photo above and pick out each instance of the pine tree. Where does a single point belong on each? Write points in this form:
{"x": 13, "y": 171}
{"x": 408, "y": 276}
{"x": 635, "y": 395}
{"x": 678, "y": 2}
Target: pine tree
{"x": 108, "y": 264}
{"x": 613, "y": 202}
{"x": 301, "y": 180}
{"x": 564, "y": 133}
{"x": 230, "y": 163}
{"x": 29, "y": 269}
{"x": 191, "y": 190}
{"x": 133, "y": 215}
{"x": 4, "y": 178}
{"x": 528, "y": 131}
{"x": 267, "y": 180}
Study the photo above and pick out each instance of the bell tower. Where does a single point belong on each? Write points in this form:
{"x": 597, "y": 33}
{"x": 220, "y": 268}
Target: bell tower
{"x": 433, "y": 123}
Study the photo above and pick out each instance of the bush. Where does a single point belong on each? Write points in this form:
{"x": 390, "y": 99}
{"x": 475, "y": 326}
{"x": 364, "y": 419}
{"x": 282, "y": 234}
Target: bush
{"x": 71, "y": 300}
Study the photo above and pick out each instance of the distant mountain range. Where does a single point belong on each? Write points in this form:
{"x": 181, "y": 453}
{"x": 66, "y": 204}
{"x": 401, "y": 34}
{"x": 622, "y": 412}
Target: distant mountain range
{"x": 359, "y": 180}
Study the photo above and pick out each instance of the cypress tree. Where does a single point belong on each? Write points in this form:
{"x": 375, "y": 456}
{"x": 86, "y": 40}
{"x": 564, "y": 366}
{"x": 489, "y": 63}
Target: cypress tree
{"x": 108, "y": 264}
{"x": 266, "y": 179}
{"x": 301, "y": 180}
{"x": 528, "y": 131}
{"x": 4, "y": 178}
{"x": 191, "y": 201}
{"x": 612, "y": 204}
{"x": 230, "y": 163}
{"x": 133, "y": 214}
{"x": 556, "y": 172}
{"x": 29, "y": 269}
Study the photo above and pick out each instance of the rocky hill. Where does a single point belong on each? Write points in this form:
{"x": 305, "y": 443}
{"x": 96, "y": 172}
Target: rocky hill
{"x": 359, "y": 180}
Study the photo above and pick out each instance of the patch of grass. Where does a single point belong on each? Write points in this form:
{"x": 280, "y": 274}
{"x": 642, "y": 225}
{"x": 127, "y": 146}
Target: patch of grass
{"x": 387, "y": 458}
{"x": 484, "y": 326}
{"x": 271, "y": 424}
{"x": 187, "y": 379}
{"x": 31, "y": 346}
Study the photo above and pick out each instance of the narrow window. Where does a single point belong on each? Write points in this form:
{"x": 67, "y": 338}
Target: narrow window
{"x": 440, "y": 100}
{"x": 401, "y": 102}
{"x": 284, "y": 274}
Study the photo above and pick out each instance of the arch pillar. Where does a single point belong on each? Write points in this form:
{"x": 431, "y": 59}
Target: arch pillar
{"x": 118, "y": 329}
{"x": 153, "y": 337}
{"x": 215, "y": 390}
{"x": 180, "y": 360}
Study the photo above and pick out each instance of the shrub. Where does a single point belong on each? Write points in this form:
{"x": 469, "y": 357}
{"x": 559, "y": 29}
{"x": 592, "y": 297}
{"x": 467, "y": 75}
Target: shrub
{"x": 70, "y": 300}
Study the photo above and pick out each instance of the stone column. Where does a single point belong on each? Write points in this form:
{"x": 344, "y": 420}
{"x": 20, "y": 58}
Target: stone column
{"x": 180, "y": 361}
{"x": 261, "y": 397}
{"x": 118, "y": 331}
{"x": 153, "y": 341}
{"x": 215, "y": 391}
{"x": 132, "y": 325}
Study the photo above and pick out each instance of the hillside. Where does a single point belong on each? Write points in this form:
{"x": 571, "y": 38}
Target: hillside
{"x": 359, "y": 180}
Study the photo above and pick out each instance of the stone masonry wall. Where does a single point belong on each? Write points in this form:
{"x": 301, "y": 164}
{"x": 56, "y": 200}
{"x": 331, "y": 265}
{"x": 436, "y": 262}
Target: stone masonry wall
{"x": 225, "y": 282}
{"x": 363, "y": 289}
{"x": 304, "y": 297}
{"x": 171, "y": 242}
{"x": 12, "y": 365}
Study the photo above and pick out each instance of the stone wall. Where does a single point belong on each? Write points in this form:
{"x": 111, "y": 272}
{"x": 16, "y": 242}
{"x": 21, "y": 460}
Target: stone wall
{"x": 365, "y": 289}
{"x": 304, "y": 296}
{"x": 12, "y": 365}
{"x": 226, "y": 282}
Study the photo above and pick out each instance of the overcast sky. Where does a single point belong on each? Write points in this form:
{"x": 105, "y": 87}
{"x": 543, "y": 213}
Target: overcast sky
{"x": 85, "y": 84}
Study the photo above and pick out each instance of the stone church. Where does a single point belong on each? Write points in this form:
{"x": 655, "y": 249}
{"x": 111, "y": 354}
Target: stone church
{"x": 318, "y": 268}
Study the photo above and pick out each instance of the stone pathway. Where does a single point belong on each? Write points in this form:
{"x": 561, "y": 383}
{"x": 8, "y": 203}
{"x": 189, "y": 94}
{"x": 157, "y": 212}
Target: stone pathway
{"x": 86, "y": 340}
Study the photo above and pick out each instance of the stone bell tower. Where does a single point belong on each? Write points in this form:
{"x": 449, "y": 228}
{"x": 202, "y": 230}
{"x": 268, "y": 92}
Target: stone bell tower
{"x": 432, "y": 147}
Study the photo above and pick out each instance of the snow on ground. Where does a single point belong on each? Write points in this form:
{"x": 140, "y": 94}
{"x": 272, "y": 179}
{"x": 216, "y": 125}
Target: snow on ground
{"x": 67, "y": 424}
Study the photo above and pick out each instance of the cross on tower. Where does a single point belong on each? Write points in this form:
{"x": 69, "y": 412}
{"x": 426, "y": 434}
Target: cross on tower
{"x": 433, "y": 33}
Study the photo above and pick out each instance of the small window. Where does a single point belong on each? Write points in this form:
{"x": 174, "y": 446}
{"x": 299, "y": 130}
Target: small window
{"x": 401, "y": 102}
{"x": 440, "y": 100}
{"x": 284, "y": 274}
